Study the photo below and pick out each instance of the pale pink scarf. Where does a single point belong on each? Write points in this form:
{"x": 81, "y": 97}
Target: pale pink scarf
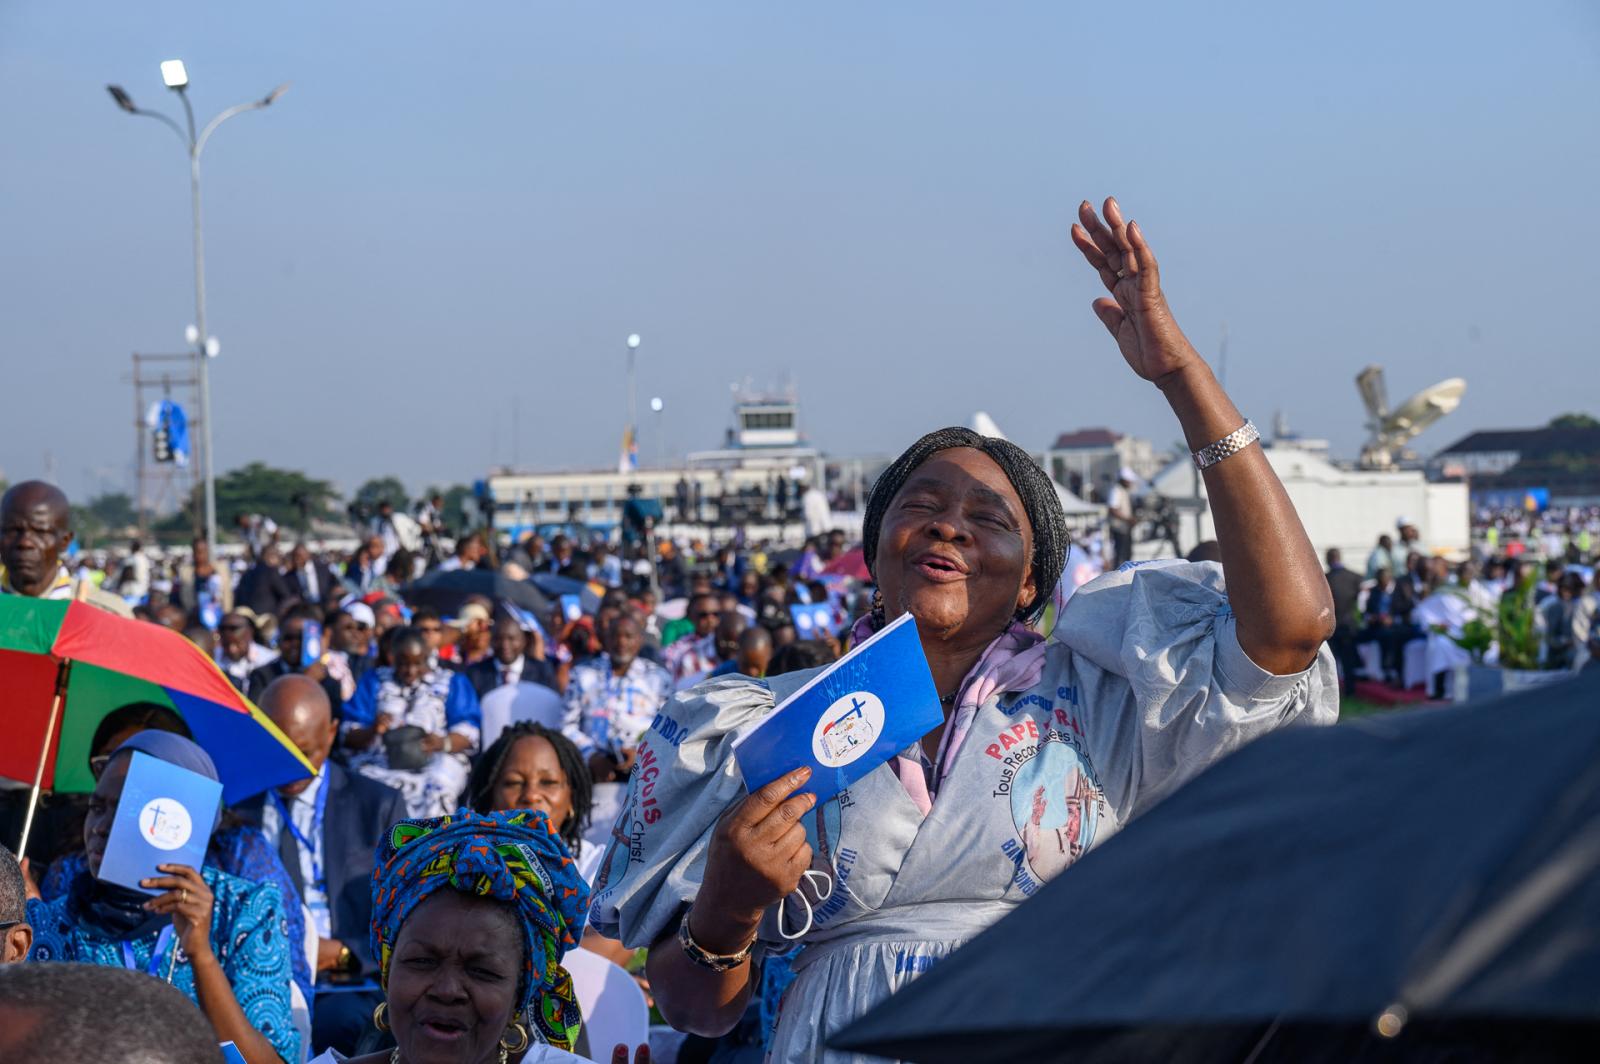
{"x": 1013, "y": 662}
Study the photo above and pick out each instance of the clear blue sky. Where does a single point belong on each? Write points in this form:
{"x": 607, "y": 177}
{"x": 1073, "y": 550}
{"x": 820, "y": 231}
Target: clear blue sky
{"x": 462, "y": 206}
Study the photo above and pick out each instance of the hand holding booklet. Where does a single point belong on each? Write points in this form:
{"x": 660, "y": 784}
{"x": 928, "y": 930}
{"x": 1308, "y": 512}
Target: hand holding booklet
{"x": 848, "y": 719}
{"x": 165, "y": 816}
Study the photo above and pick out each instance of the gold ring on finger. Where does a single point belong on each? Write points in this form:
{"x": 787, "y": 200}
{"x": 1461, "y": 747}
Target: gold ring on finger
{"x": 183, "y": 895}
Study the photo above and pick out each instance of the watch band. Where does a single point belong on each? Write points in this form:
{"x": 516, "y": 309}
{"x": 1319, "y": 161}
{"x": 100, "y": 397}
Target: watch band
{"x": 1228, "y": 446}
{"x": 716, "y": 962}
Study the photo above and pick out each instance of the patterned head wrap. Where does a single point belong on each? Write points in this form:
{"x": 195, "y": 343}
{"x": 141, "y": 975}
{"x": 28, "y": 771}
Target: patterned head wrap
{"x": 514, "y": 857}
{"x": 1033, "y": 487}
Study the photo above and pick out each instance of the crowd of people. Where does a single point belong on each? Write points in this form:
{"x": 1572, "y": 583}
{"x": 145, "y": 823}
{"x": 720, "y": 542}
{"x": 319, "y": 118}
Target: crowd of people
{"x": 386, "y": 696}
{"x": 1406, "y": 595}
{"x": 521, "y": 753}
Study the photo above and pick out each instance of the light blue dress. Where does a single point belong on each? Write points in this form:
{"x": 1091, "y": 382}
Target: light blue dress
{"x": 1144, "y": 684}
{"x": 247, "y": 936}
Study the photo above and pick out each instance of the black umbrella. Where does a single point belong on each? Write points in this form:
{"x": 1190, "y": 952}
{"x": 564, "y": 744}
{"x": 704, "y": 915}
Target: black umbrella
{"x": 446, "y": 590}
{"x": 1433, "y": 875}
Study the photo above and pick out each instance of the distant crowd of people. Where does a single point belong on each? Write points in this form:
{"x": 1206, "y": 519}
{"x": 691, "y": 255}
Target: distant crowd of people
{"x": 1405, "y": 593}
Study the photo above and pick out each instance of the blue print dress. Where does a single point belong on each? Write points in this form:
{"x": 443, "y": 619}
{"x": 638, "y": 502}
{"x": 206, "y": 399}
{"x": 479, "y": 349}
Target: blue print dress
{"x": 1143, "y": 685}
{"x": 247, "y": 936}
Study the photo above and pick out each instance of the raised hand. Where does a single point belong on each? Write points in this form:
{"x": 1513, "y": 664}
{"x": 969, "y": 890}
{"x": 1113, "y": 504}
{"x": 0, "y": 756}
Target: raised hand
{"x": 188, "y": 899}
{"x": 1137, "y": 313}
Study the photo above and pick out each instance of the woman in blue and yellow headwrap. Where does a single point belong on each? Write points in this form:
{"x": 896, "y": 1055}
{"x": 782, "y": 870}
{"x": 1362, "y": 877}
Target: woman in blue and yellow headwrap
{"x": 470, "y": 918}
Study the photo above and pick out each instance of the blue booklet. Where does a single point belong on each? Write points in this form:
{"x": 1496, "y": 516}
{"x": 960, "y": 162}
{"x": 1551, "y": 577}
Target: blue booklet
{"x": 525, "y": 619}
{"x": 849, "y": 719}
{"x": 230, "y": 1053}
{"x": 165, "y": 816}
{"x": 572, "y": 607}
{"x": 812, "y": 620}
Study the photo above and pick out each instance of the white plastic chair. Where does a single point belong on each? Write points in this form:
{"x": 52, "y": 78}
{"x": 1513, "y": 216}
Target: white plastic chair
{"x": 614, "y": 1008}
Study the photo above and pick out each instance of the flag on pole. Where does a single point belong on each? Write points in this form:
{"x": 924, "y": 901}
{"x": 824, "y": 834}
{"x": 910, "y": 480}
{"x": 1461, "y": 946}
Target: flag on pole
{"x": 629, "y": 460}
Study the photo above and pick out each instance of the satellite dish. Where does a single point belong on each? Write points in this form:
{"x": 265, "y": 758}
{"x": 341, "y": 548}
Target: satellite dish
{"x": 1390, "y": 431}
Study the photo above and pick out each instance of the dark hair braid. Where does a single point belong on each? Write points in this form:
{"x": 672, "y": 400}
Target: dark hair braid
{"x": 486, "y": 774}
{"x": 1034, "y": 488}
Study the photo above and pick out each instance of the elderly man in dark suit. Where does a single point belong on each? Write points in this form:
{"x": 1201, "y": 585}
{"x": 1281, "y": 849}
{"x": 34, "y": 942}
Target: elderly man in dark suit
{"x": 326, "y": 829}
{"x": 312, "y": 577}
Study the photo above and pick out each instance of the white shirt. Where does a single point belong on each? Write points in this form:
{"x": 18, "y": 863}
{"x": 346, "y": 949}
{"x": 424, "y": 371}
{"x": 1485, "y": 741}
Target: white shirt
{"x": 240, "y": 670}
{"x": 303, "y": 811}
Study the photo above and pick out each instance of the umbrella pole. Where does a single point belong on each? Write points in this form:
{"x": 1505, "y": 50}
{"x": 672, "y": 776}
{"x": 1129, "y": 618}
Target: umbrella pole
{"x": 62, "y": 672}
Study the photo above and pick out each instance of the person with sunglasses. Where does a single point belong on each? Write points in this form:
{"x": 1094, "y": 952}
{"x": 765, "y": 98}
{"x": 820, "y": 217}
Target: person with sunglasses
{"x": 696, "y": 653}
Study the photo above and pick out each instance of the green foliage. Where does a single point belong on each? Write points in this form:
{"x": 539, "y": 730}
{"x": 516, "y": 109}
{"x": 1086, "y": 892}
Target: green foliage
{"x": 379, "y": 488}
{"x": 1575, "y": 421}
{"x": 1476, "y": 637}
{"x": 114, "y": 509}
{"x": 287, "y": 496}
{"x": 87, "y": 528}
{"x": 1515, "y": 626}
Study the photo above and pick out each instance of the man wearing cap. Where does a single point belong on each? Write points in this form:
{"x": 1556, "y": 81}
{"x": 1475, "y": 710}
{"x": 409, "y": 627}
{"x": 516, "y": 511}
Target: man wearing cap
{"x": 35, "y": 529}
{"x": 1410, "y": 539}
{"x": 473, "y": 622}
{"x": 238, "y": 654}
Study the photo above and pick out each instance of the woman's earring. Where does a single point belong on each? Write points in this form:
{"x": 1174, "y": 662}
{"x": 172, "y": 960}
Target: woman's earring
{"x": 877, "y": 608}
{"x": 518, "y": 1046}
{"x": 380, "y": 1016}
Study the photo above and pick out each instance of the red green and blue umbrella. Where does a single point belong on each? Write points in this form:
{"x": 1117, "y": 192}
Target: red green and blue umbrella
{"x": 106, "y": 661}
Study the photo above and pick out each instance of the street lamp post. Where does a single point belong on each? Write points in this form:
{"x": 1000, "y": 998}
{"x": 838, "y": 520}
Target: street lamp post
{"x": 658, "y": 405}
{"x": 176, "y": 78}
{"x": 632, "y": 436}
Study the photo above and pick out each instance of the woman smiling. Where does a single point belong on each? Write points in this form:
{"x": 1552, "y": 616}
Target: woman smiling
{"x": 1047, "y": 747}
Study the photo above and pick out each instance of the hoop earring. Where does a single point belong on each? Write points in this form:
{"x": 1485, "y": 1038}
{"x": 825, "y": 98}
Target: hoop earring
{"x": 380, "y": 1016}
{"x": 522, "y": 1041}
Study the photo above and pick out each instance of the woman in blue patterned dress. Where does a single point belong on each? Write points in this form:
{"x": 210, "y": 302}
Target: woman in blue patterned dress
{"x": 414, "y": 693}
{"x": 236, "y": 848}
{"x": 218, "y": 938}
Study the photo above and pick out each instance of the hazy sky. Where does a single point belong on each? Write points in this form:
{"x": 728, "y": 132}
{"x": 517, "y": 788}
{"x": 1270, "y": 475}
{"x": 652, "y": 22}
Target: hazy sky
{"x": 462, "y": 208}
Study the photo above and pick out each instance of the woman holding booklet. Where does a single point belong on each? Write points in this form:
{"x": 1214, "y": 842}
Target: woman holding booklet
{"x": 1047, "y": 747}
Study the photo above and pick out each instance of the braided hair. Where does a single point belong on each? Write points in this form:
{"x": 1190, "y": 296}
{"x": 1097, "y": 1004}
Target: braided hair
{"x": 1033, "y": 487}
{"x": 486, "y": 773}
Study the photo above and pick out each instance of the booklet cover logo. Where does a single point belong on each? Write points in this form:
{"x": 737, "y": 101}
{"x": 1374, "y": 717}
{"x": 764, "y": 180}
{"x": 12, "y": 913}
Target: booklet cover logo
{"x": 165, "y": 823}
{"x": 847, "y": 729}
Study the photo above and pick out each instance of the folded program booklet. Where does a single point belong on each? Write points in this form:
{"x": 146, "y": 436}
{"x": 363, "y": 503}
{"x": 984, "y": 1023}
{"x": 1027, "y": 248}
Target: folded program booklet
{"x": 849, "y": 719}
{"x": 164, "y": 816}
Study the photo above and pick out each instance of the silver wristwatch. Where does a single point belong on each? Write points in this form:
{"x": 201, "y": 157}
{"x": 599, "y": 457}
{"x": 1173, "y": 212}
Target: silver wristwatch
{"x": 1229, "y": 445}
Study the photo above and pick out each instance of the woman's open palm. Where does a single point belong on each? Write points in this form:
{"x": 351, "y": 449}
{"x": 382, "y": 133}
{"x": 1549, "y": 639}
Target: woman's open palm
{"x": 1137, "y": 313}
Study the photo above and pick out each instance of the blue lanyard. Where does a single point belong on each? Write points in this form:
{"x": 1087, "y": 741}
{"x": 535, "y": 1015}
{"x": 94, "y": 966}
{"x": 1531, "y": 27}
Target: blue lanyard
{"x": 310, "y": 847}
{"x": 163, "y": 941}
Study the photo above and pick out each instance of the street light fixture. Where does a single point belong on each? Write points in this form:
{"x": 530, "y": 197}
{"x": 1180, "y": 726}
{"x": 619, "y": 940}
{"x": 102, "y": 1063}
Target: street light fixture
{"x": 176, "y": 77}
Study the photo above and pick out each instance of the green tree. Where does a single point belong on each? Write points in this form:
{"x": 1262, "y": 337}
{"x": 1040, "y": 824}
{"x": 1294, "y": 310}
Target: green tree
{"x": 288, "y": 496}
{"x": 1575, "y": 421}
{"x": 114, "y": 509}
{"x": 379, "y": 488}
{"x": 87, "y": 527}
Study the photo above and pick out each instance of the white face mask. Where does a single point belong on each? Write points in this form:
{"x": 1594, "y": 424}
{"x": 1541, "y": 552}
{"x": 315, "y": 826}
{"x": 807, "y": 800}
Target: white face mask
{"x": 823, "y": 892}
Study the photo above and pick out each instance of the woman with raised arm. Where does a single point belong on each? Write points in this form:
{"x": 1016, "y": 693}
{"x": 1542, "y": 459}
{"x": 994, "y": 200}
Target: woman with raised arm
{"x": 1153, "y": 672}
